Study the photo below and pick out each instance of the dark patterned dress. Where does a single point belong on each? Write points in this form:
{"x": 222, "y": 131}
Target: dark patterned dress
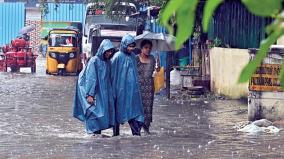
{"x": 146, "y": 80}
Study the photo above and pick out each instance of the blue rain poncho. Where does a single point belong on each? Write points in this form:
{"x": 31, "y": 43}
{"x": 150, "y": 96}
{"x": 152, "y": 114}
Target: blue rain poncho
{"x": 94, "y": 80}
{"x": 124, "y": 76}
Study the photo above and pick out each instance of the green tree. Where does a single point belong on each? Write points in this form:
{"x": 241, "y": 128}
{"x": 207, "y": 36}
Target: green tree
{"x": 185, "y": 12}
{"x": 110, "y": 4}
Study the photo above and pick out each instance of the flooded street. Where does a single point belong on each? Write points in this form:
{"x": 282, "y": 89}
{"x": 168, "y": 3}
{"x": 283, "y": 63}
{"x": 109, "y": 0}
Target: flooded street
{"x": 36, "y": 122}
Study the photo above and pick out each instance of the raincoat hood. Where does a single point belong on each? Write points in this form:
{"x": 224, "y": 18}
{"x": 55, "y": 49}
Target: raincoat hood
{"x": 105, "y": 45}
{"x": 126, "y": 40}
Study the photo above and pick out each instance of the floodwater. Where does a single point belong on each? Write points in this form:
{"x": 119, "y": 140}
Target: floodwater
{"x": 36, "y": 122}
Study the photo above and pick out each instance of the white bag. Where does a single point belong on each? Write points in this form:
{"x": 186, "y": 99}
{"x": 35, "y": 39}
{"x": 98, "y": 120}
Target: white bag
{"x": 175, "y": 77}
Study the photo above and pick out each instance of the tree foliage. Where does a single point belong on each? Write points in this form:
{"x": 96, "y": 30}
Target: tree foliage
{"x": 185, "y": 12}
{"x": 110, "y": 4}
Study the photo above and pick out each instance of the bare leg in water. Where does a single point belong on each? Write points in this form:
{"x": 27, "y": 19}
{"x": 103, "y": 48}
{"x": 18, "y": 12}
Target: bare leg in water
{"x": 134, "y": 125}
{"x": 146, "y": 127}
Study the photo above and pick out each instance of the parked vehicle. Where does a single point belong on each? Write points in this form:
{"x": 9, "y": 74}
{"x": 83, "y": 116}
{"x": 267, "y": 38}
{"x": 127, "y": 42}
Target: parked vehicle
{"x": 18, "y": 54}
{"x": 2, "y": 60}
{"x": 105, "y": 31}
{"x": 63, "y": 52}
{"x": 96, "y": 19}
{"x": 49, "y": 25}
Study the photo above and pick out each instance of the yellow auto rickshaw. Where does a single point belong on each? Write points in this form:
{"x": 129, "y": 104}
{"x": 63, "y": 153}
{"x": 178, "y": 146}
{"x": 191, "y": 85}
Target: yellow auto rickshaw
{"x": 63, "y": 55}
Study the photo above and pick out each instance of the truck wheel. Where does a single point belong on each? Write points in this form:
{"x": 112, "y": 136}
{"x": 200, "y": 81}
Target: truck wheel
{"x": 33, "y": 69}
{"x": 5, "y": 68}
{"x": 61, "y": 72}
{"x": 6, "y": 65}
{"x": 78, "y": 72}
{"x": 15, "y": 69}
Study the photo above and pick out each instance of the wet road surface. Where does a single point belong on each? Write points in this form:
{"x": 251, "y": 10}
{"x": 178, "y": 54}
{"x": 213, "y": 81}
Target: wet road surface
{"x": 36, "y": 122}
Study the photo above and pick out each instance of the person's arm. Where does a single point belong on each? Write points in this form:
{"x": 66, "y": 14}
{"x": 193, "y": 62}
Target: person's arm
{"x": 91, "y": 81}
{"x": 114, "y": 74}
{"x": 157, "y": 64}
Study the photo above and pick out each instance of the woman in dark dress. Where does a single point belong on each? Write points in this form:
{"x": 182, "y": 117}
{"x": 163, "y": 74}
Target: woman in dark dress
{"x": 146, "y": 66}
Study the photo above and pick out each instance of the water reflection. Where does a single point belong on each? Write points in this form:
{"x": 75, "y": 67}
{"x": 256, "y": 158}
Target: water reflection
{"x": 36, "y": 122}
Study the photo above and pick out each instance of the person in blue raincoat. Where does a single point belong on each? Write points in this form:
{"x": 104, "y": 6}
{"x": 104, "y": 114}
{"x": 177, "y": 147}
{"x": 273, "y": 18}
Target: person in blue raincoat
{"x": 93, "y": 100}
{"x": 127, "y": 97}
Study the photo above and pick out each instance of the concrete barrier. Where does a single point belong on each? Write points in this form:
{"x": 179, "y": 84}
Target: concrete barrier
{"x": 267, "y": 105}
{"x": 226, "y": 65}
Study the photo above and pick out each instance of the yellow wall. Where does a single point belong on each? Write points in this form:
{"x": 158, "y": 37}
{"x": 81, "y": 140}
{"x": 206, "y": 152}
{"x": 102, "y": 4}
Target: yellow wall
{"x": 280, "y": 41}
{"x": 225, "y": 67}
